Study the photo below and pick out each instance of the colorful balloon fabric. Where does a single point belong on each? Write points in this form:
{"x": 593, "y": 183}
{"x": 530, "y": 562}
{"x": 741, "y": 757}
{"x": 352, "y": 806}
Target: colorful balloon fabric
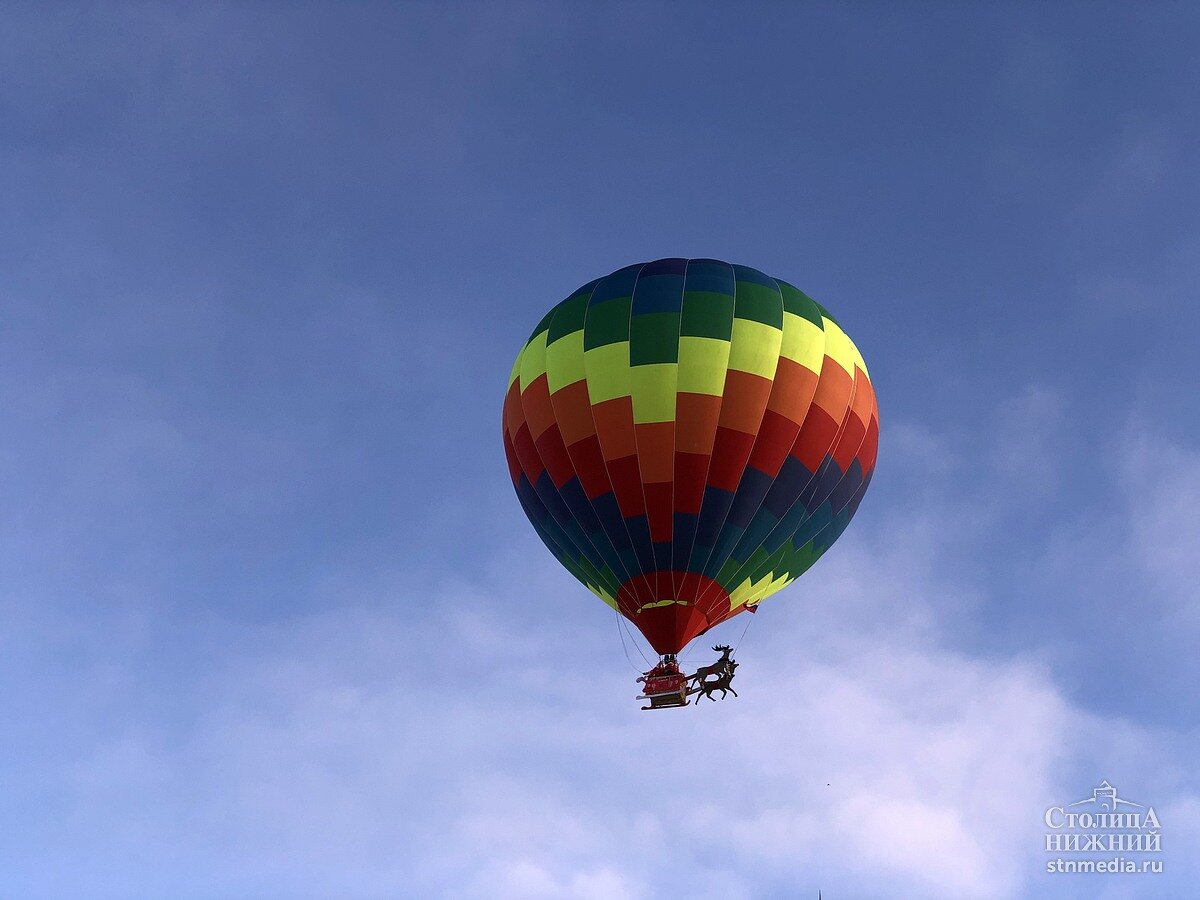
{"x": 688, "y": 437}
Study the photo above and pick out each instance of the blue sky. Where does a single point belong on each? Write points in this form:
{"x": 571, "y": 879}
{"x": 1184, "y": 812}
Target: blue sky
{"x": 271, "y": 620}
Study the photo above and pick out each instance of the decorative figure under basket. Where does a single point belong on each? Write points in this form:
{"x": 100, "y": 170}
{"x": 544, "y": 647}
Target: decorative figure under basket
{"x": 666, "y": 686}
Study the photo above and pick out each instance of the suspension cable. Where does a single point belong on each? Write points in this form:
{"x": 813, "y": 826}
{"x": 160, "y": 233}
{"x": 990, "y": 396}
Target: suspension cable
{"x": 692, "y": 649}
{"x": 623, "y": 627}
{"x": 687, "y": 655}
{"x": 621, "y": 633}
{"x": 753, "y": 616}
{"x": 634, "y": 641}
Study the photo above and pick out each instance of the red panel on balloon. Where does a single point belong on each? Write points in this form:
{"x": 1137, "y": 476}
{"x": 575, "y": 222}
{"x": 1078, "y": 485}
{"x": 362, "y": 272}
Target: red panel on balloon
{"x": 668, "y": 628}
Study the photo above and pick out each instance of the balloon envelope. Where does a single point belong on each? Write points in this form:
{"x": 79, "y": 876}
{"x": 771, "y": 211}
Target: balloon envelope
{"x": 687, "y": 437}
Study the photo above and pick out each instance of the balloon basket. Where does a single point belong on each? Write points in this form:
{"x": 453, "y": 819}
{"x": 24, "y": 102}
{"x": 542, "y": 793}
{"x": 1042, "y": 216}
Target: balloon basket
{"x": 664, "y": 686}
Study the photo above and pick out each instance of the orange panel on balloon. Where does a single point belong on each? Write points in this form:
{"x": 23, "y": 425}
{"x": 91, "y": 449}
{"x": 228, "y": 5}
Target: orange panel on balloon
{"x": 573, "y": 410}
{"x": 743, "y": 401}
{"x": 696, "y": 417}
{"x": 614, "y": 426}
{"x": 656, "y": 450}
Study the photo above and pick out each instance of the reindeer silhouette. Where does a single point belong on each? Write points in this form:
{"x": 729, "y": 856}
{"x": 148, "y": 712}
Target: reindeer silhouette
{"x": 721, "y": 673}
{"x": 716, "y": 668}
{"x": 720, "y": 683}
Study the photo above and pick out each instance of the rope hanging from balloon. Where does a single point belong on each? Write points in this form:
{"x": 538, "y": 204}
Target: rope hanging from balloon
{"x": 692, "y": 647}
{"x": 621, "y": 632}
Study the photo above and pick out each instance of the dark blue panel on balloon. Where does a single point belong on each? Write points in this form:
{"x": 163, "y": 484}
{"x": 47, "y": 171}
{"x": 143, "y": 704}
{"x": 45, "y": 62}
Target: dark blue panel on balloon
{"x": 790, "y": 481}
{"x": 847, "y": 487}
{"x": 684, "y": 526}
{"x": 639, "y": 533}
{"x": 760, "y": 528}
{"x": 609, "y": 514}
{"x": 749, "y": 497}
{"x": 619, "y": 284}
{"x": 712, "y": 515}
{"x": 711, "y": 276}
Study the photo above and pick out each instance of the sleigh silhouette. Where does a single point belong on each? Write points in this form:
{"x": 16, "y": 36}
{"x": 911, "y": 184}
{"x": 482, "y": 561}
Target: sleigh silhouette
{"x": 665, "y": 686}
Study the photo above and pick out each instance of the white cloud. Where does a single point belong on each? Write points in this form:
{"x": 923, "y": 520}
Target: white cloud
{"x": 1161, "y": 481}
{"x": 1028, "y": 433}
{"x": 363, "y": 755}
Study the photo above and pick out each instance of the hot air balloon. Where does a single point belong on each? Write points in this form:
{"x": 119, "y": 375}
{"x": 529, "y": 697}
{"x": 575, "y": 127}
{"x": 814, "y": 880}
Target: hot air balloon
{"x": 687, "y": 437}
